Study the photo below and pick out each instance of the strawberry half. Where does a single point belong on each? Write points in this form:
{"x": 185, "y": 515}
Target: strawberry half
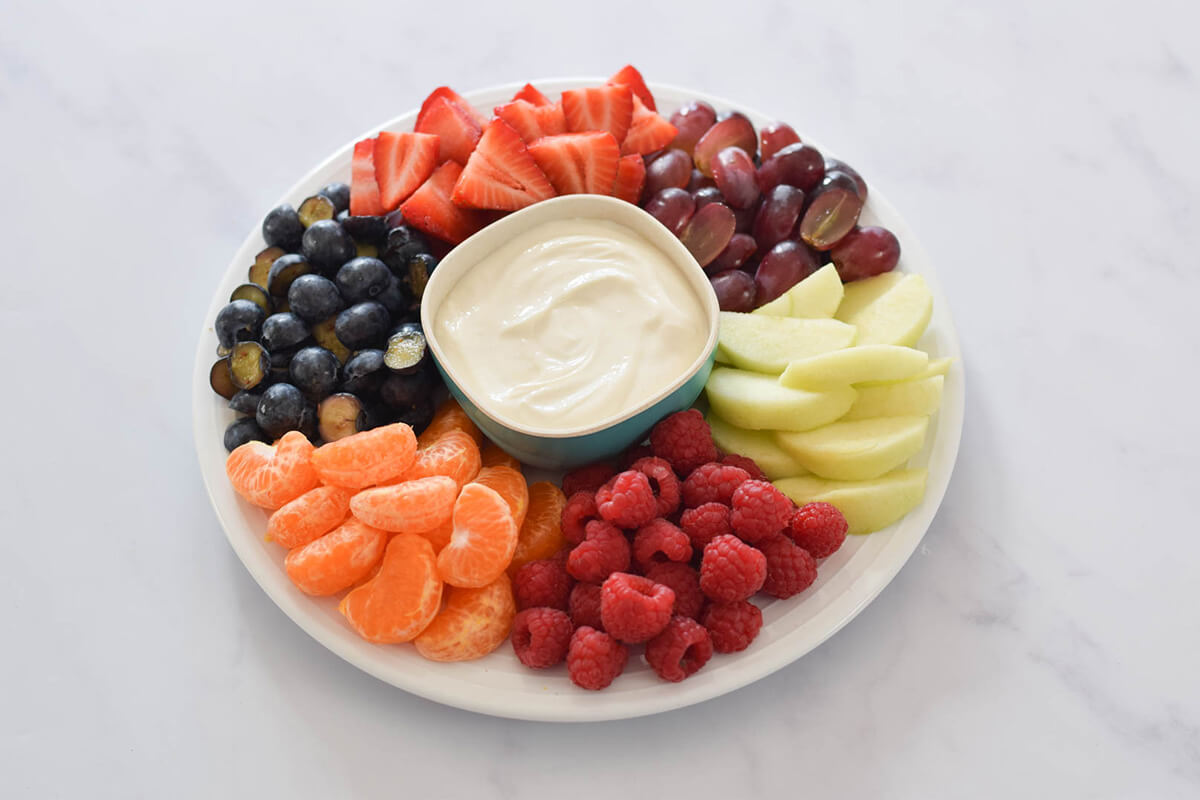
{"x": 631, "y": 176}
{"x": 449, "y": 94}
{"x": 402, "y": 163}
{"x": 501, "y": 174}
{"x": 578, "y": 163}
{"x": 629, "y": 76}
{"x": 647, "y": 131}
{"x": 531, "y": 93}
{"x": 456, "y": 129}
{"x": 600, "y": 108}
{"x": 364, "y": 190}
{"x": 431, "y": 210}
{"x": 533, "y": 122}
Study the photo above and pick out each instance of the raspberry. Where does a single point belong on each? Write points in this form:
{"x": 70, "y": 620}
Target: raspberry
{"x": 635, "y": 453}
{"x": 731, "y": 569}
{"x": 712, "y": 483}
{"x": 584, "y": 606}
{"x": 576, "y": 514}
{"x": 732, "y": 626}
{"x": 627, "y": 500}
{"x": 588, "y": 478}
{"x": 819, "y": 528}
{"x": 540, "y": 636}
{"x": 660, "y": 541}
{"x": 605, "y": 551}
{"x": 759, "y": 509}
{"x": 595, "y": 659}
{"x": 682, "y": 648}
{"x": 663, "y": 481}
{"x": 542, "y": 583}
{"x": 704, "y": 523}
{"x": 634, "y": 609}
{"x": 748, "y": 464}
{"x": 684, "y": 440}
{"x": 790, "y": 569}
{"x": 682, "y": 580}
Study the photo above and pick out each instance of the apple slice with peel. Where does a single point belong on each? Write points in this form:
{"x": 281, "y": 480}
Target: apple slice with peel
{"x": 918, "y": 397}
{"x": 768, "y": 344}
{"x": 935, "y": 367}
{"x": 868, "y": 506}
{"x": 757, "y": 445}
{"x": 755, "y": 401}
{"x": 892, "y": 308}
{"x": 879, "y": 362}
{"x": 858, "y": 450}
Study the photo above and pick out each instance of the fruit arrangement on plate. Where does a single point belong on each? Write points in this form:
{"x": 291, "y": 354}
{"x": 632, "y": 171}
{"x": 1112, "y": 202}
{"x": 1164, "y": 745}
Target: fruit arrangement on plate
{"x": 382, "y": 489}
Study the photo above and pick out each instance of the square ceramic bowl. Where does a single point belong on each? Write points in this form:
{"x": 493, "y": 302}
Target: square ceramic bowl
{"x": 603, "y": 437}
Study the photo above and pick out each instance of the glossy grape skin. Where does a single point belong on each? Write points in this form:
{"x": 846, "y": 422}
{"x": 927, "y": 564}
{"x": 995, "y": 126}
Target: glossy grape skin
{"x": 744, "y": 219}
{"x": 734, "y": 172}
{"x": 691, "y": 122}
{"x": 831, "y": 214}
{"x": 735, "y": 290}
{"x": 784, "y": 265}
{"x": 798, "y": 165}
{"x": 672, "y": 169}
{"x": 833, "y": 165}
{"x": 699, "y": 181}
{"x": 774, "y": 137}
{"x": 708, "y": 232}
{"x": 777, "y": 215}
{"x": 864, "y": 252}
{"x": 673, "y": 208}
{"x": 735, "y": 131}
{"x": 741, "y": 246}
{"x": 706, "y": 195}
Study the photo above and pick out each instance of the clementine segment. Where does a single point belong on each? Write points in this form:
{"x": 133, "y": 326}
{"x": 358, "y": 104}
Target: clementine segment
{"x": 541, "y": 533}
{"x": 471, "y": 624}
{"x": 271, "y": 475}
{"x": 367, "y": 458}
{"x": 509, "y": 484}
{"x": 402, "y": 599}
{"x": 483, "y": 541}
{"x": 450, "y": 417}
{"x": 439, "y": 537}
{"x": 493, "y": 456}
{"x": 337, "y": 560}
{"x": 411, "y": 507}
{"x": 311, "y": 515}
{"x": 454, "y": 454}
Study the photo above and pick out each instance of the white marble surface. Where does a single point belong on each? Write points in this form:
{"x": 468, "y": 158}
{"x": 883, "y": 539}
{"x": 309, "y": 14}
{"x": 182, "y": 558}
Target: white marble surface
{"x": 1045, "y": 641}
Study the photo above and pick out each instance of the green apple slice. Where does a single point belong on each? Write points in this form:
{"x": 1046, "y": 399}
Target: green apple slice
{"x": 879, "y": 362}
{"x": 764, "y": 343}
{"x": 935, "y": 367}
{"x": 817, "y": 296}
{"x": 892, "y": 308}
{"x": 857, "y": 450}
{"x": 757, "y": 445}
{"x": 755, "y": 401}
{"x": 868, "y": 506}
{"x": 779, "y": 307}
{"x": 918, "y": 397}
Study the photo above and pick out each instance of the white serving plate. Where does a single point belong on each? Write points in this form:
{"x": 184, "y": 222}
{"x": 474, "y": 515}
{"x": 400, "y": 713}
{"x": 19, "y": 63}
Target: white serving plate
{"x": 499, "y": 684}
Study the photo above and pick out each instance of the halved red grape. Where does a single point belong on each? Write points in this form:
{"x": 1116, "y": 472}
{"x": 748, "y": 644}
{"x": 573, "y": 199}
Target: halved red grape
{"x": 735, "y": 131}
{"x": 777, "y": 215}
{"x": 842, "y": 179}
{"x": 833, "y": 165}
{"x": 672, "y": 169}
{"x": 798, "y": 165}
{"x": 672, "y": 207}
{"x": 831, "y": 214}
{"x": 774, "y": 137}
{"x": 706, "y": 195}
{"x": 708, "y": 232}
{"x": 864, "y": 252}
{"x": 735, "y": 175}
{"x": 699, "y": 181}
{"x": 784, "y": 265}
{"x": 735, "y": 290}
{"x": 691, "y": 122}
{"x": 741, "y": 246}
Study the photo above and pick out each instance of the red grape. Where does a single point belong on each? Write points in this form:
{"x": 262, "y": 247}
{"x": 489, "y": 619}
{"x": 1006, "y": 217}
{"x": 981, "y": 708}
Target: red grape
{"x": 774, "y": 137}
{"x": 777, "y": 215}
{"x": 691, "y": 122}
{"x": 708, "y": 232}
{"x": 672, "y": 169}
{"x": 830, "y": 215}
{"x": 699, "y": 181}
{"x": 837, "y": 178}
{"x": 741, "y": 246}
{"x": 784, "y": 265}
{"x": 744, "y": 218}
{"x": 735, "y": 131}
{"x": 672, "y": 207}
{"x": 798, "y": 165}
{"x": 833, "y": 165}
{"x": 864, "y": 252}
{"x": 734, "y": 173}
{"x": 706, "y": 195}
{"x": 735, "y": 290}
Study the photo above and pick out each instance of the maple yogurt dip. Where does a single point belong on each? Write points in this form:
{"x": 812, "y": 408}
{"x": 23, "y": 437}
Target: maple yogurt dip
{"x": 569, "y": 324}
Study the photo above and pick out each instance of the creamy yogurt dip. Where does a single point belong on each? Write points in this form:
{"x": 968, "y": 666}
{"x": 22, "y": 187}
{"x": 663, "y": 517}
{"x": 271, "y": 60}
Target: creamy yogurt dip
{"x": 571, "y": 323}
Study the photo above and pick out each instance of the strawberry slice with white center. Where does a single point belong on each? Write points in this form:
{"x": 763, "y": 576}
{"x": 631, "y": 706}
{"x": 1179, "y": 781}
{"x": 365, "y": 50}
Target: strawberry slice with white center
{"x": 454, "y": 97}
{"x": 403, "y": 161}
{"x": 578, "y": 163}
{"x": 631, "y": 176}
{"x": 533, "y": 122}
{"x": 501, "y": 174}
{"x": 456, "y": 129}
{"x": 532, "y": 94}
{"x": 364, "y": 190}
{"x": 431, "y": 210}
{"x": 629, "y": 76}
{"x": 647, "y": 131}
{"x": 599, "y": 108}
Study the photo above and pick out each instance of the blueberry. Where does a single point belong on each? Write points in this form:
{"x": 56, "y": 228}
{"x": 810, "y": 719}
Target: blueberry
{"x": 314, "y": 371}
{"x": 327, "y": 245}
{"x": 362, "y": 279}
{"x": 420, "y": 268}
{"x": 314, "y": 298}
{"x": 362, "y": 325}
{"x": 418, "y": 416}
{"x": 282, "y": 227}
{"x": 403, "y": 391}
{"x": 402, "y": 244}
{"x": 363, "y": 372}
{"x": 283, "y": 331}
{"x": 241, "y": 431}
{"x": 395, "y": 298}
{"x": 284, "y": 270}
{"x": 406, "y": 351}
{"x": 281, "y": 409}
{"x": 340, "y": 415}
{"x": 239, "y": 321}
{"x": 372, "y": 230}
{"x": 338, "y": 193}
{"x": 245, "y": 401}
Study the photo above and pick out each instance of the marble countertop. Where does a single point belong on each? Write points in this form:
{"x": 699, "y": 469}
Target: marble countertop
{"x": 1044, "y": 640}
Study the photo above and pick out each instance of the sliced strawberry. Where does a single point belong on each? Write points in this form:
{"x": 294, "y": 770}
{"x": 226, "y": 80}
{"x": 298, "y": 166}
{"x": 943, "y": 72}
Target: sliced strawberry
{"x": 648, "y": 131}
{"x": 532, "y": 94}
{"x": 501, "y": 174}
{"x": 431, "y": 210}
{"x": 403, "y": 161}
{"x": 631, "y": 175}
{"x": 457, "y": 130}
{"x": 533, "y": 122}
{"x": 578, "y": 163}
{"x": 629, "y": 76}
{"x": 364, "y": 191}
{"x": 600, "y": 108}
{"x": 454, "y": 97}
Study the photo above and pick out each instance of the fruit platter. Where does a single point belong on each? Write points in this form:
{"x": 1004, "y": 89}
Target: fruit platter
{"x": 577, "y": 399}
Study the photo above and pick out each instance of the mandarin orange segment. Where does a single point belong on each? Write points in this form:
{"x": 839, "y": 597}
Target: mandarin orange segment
{"x": 454, "y": 454}
{"x": 271, "y": 475}
{"x": 311, "y": 515}
{"x": 541, "y": 533}
{"x": 402, "y": 599}
{"x": 450, "y": 417}
{"x": 483, "y": 541}
{"x": 411, "y": 507}
{"x": 509, "y": 484}
{"x": 492, "y": 456}
{"x": 439, "y": 537}
{"x": 471, "y": 624}
{"x": 337, "y": 560}
{"x": 367, "y": 458}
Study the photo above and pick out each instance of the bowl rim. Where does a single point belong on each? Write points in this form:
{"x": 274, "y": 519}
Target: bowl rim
{"x": 472, "y": 250}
